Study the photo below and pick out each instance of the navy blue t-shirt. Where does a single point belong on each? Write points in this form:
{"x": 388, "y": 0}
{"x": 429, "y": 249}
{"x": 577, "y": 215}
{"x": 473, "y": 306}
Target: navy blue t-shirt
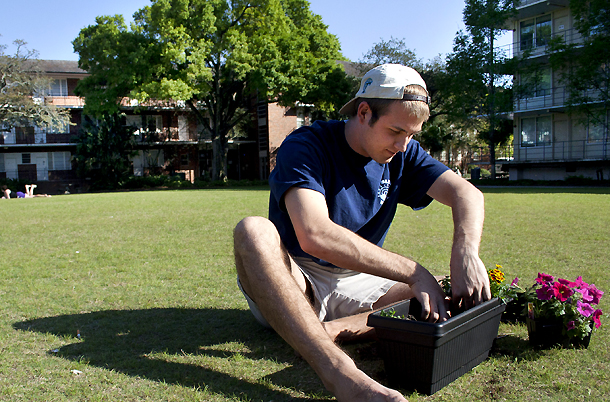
{"x": 361, "y": 194}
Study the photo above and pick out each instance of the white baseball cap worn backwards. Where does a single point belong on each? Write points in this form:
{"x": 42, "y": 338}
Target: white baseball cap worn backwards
{"x": 387, "y": 81}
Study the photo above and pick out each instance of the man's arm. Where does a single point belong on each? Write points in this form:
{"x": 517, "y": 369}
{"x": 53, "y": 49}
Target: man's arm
{"x": 319, "y": 236}
{"x": 469, "y": 280}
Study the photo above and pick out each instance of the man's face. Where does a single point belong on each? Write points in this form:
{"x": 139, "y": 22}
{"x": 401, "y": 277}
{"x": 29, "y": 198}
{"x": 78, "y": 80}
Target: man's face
{"x": 389, "y": 135}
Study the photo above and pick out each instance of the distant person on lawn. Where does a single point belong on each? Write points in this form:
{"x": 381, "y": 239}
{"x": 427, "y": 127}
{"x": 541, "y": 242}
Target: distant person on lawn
{"x": 29, "y": 192}
{"x": 316, "y": 269}
{"x": 6, "y": 193}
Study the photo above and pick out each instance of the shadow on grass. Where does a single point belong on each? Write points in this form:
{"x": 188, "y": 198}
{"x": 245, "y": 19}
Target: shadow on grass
{"x": 515, "y": 348}
{"x": 130, "y": 341}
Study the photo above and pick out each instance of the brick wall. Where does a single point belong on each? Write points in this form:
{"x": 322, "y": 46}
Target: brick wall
{"x": 282, "y": 121}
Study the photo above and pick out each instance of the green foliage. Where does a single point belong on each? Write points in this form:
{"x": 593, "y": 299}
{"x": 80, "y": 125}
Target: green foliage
{"x": 103, "y": 151}
{"x": 23, "y": 86}
{"x": 217, "y": 56}
{"x": 392, "y": 51}
{"x": 479, "y": 75}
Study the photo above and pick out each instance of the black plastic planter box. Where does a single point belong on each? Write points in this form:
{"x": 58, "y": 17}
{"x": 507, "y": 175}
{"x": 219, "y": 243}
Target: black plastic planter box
{"x": 426, "y": 356}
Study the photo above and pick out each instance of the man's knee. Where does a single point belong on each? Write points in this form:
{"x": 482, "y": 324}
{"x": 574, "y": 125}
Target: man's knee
{"x": 254, "y": 228}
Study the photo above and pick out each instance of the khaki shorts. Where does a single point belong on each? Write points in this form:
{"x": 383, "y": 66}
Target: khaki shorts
{"x": 337, "y": 292}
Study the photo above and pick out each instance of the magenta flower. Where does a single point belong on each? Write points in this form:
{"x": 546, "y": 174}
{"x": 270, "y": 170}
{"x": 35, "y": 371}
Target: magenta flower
{"x": 561, "y": 291}
{"x": 545, "y": 292}
{"x": 595, "y": 293}
{"x": 571, "y": 325}
{"x": 596, "y": 316}
{"x": 565, "y": 282}
{"x": 578, "y": 283}
{"x": 590, "y": 294}
{"x": 584, "y": 308}
{"x": 543, "y": 278}
{"x": 514, "y": 282}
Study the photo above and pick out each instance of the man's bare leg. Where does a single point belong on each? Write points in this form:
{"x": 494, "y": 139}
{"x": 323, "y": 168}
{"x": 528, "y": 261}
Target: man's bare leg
{"x": 354, "y": 328}
{"x": 266, "y": 274}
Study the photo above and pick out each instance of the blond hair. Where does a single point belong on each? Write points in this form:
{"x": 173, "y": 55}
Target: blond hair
{"x": 379, "y": 107}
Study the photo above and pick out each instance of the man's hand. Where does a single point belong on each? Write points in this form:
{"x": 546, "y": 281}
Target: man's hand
{"x": 469, "y": 279}
{"x": 430, "y": 295}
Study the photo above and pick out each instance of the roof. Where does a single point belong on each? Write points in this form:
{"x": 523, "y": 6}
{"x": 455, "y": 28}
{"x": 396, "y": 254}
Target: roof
{"x": 60, "y": 66}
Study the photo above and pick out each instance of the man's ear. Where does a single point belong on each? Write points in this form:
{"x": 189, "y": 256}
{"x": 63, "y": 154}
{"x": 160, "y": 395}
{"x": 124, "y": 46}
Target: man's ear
{"x": 364, "y": 112}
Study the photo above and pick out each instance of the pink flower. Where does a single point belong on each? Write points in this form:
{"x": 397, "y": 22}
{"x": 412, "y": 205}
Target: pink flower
{"x": 584, "y": 308}
{"x": 595, "y": 293}
{"x": 596, "y": 316}
{"x": 590, "y": 294}
{"x": 561, "y": 291}
{"x": 545, "y": 292}
{"x": 565, "y": 282}
{"x": 542, "y": 278}
{"x": 578, "y": 283}
{"x": 571, "y": 325}
{"x": 514, "y": 282}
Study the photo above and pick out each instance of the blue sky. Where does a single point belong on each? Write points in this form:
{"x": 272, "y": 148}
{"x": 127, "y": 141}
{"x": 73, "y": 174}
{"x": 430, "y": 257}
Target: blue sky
{"x": 427, "y": 26}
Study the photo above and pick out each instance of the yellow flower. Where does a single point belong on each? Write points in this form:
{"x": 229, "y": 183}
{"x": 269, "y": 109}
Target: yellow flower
{"x": 496, "y": 275}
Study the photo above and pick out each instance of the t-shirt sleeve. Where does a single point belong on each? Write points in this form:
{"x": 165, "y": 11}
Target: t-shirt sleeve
{"x": 420, "y": 172}
{"x": 299, "y": 163}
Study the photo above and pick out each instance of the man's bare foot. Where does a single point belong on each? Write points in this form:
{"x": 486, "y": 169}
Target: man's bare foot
{"x": 351, "y": 328}
{"x": 354, "y": 385}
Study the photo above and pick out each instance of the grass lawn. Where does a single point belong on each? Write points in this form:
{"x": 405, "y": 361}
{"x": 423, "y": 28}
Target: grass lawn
{"x": 132, "y": 297}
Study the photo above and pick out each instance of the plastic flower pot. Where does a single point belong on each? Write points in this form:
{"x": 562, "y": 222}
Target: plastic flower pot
{"x": 515, "y": 308}
{"x": 427, "y": 356}
{"x": 545, "y": 333}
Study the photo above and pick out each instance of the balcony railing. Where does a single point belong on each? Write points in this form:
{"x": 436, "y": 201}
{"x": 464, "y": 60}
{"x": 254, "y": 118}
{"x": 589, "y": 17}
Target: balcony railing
{"x": 538, "y": 47}
{"x": 579, "y": 150}
{"x": 552, "y": 98}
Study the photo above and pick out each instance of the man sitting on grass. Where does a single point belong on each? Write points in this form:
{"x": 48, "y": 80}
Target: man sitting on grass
{"x": 315, "y": 270}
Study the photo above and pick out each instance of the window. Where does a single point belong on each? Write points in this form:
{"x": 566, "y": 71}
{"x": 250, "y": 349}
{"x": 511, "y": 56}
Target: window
{"x": 59, "y": 161}
{"x": 543, "y": 30}
{"x": 145, "y": 123}
{"x": 26, "y": 158}
{"x": 535, "y": 32}
{"x": 2, "y": 168}
{"x": 184, "y": 160}
{"x": 537, "y": 83}
{"x": 536, "y": 131}
{"x": 58, "y": 87}
{"x": 527, "y": 34}
{"x": 300, "y": 117}
{"x": 63, "y": 129}
{"x": 598, "y": 131}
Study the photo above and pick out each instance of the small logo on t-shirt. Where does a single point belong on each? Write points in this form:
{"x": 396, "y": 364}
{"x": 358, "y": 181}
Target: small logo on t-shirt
{"x": 382, "y": 193}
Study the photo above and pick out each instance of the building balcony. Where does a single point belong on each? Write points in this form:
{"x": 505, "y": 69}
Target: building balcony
{"x": 562, "y": 151}
{"x": 552, "y": 98}
{"x": 531, "y": 8}
{"x": 538, "y": 47}
{"x": 67, "y": 101}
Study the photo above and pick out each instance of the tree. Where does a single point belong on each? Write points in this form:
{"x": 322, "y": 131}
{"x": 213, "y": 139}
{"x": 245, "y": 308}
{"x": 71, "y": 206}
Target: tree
{"x": 438, "y": 133}
{"x": 103, "y": 150}
{"x": 584, "y": 67}
{"x": 391, "y": 51}
{"x": 23, "y": 86}
{"x": 480, "y": 76}
{"x": 218, "y": 56}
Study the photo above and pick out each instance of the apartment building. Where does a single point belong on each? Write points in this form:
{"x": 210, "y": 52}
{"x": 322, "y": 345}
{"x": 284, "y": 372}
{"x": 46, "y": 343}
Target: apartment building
{"x": 169, "y": 139}
{"x": 549, "y": 142}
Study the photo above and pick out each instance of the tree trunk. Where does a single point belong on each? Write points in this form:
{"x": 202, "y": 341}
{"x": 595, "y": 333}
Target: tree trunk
{"x": 219, "y": 152}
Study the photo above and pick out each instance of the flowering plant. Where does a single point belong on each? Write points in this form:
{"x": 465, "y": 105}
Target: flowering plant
{"x": 496, "y": 285}
{"x": 500, "y": 289}
{"x": 572, "y": 303}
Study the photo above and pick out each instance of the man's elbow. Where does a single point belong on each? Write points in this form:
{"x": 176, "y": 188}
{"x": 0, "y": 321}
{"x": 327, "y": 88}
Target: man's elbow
{"x": 312, "y": 242}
